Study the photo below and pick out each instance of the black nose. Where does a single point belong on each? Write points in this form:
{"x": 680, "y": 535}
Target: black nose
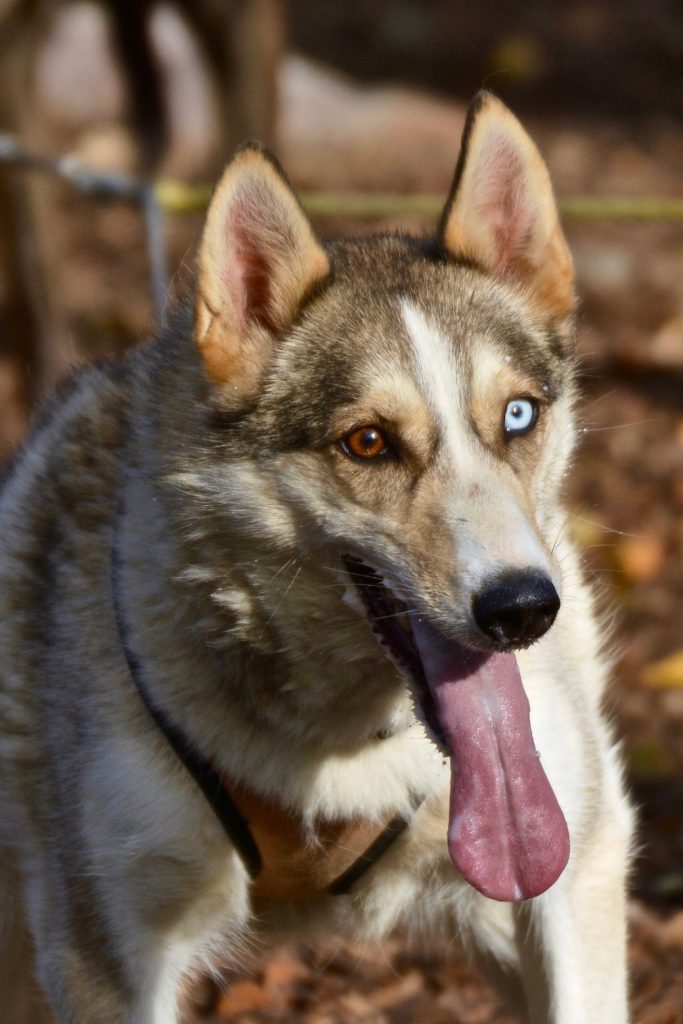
{"x": 516, "y": 608}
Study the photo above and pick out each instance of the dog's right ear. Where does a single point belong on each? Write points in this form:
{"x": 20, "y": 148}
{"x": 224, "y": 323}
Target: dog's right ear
{"x": 258, "y": 259}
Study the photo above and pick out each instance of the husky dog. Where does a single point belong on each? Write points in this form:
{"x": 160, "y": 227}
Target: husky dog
{"x": 276, "y": 598}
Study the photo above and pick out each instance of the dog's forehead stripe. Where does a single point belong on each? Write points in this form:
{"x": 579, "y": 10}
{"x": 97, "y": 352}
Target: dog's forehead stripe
{"x": 436, "y": 370}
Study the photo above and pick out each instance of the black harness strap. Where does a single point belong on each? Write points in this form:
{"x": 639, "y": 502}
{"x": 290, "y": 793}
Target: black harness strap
{"x": 345, "y": 882}
{"x": 210, "y": 783}
{"x": 198, "y": 766}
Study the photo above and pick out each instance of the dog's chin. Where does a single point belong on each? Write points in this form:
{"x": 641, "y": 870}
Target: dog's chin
{"x": 389, "y": 620}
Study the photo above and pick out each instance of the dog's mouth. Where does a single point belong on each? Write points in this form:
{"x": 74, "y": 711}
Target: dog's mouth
{"x": 390, "y": 621}
{"x": 507, "y": 834}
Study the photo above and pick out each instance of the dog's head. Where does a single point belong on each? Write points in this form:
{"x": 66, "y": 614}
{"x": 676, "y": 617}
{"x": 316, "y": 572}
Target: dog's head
{"x": 411, "y": 401}
{"x": 399, "y": 412}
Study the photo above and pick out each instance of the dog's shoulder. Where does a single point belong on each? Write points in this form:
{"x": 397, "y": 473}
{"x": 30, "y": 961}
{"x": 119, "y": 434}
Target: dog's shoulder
{"x": 92, "y": 396}
{"x": 63, "y": 478}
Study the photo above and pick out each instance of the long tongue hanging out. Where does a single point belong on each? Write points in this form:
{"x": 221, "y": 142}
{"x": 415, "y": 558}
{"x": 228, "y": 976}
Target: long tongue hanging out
{"x": 506, "y": 835}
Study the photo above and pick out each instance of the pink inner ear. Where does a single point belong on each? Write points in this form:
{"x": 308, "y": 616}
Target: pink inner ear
{"x": 502, "y": 200}
{"x": 246, "y": 270}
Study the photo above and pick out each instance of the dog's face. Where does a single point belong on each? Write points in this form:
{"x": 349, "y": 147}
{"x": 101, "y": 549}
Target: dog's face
{"x": 411, "y": 403}
{"x": 400, "y": 414}
{"x": 418, "y": 418}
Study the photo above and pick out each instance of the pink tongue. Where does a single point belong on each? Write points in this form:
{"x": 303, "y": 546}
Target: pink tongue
{"x": 507, "y": 835}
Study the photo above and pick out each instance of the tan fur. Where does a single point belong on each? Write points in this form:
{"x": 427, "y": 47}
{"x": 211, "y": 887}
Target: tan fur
{"x": 231, "y": 515}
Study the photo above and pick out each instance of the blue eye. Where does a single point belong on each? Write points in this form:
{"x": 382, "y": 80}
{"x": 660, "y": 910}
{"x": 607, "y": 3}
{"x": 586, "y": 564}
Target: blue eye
{"x": 520, "y": 416}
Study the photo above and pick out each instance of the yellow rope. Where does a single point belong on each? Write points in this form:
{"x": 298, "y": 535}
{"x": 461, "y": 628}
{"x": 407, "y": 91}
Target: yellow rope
{"x": 175, "y": 197}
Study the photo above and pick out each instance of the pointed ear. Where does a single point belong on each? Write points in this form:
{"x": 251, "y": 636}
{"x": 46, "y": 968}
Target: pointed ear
{"x": 258, "y": 259}
{"x": 501, "y": 211}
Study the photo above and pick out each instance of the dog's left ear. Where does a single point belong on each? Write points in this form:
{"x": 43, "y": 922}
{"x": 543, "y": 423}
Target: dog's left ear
{"x": 501, "y": 211}
{"x": 258, "y": 260}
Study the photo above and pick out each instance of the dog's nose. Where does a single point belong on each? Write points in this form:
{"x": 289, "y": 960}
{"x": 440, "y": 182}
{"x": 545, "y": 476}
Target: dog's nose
{"x": 516, "y": 608}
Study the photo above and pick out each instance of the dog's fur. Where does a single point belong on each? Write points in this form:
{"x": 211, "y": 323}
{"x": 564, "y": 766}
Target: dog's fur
{"x": 238, "y": 501}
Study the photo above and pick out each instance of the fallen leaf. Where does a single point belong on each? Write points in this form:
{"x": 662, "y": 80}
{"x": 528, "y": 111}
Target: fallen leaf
{"x": 242, "y": 996}
{"x": 401, "y": 991}
{"x": 660, "y": 675}
{"x": 640, "y": 558}
{"x": 665, "y": 349}
{"x": 282, "y": 971}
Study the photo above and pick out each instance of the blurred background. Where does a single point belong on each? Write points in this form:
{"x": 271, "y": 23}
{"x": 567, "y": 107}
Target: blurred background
{"x": 370, "y": 98}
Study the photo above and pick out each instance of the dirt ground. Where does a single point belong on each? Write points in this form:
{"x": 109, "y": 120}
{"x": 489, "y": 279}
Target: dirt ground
{"x": 625, "y": 495}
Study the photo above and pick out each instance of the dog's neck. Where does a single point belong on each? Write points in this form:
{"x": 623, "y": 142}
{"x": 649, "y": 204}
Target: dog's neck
{"x": 247, "y": 727}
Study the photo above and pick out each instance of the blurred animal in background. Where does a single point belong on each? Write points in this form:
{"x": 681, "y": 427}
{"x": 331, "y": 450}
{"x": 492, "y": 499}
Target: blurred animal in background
{"x": 99, "y": 78}
{"x": 242, "y": 42}
{"x": 293, "y": 640}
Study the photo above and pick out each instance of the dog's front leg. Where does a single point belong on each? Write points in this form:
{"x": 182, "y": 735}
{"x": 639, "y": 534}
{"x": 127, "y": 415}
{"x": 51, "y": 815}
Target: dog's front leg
{"x": 572, "y": 940}
{"x": 86, "y": 985}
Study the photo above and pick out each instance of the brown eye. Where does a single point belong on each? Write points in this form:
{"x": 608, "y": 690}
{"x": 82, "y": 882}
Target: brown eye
{"x": 365, "y": 443}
